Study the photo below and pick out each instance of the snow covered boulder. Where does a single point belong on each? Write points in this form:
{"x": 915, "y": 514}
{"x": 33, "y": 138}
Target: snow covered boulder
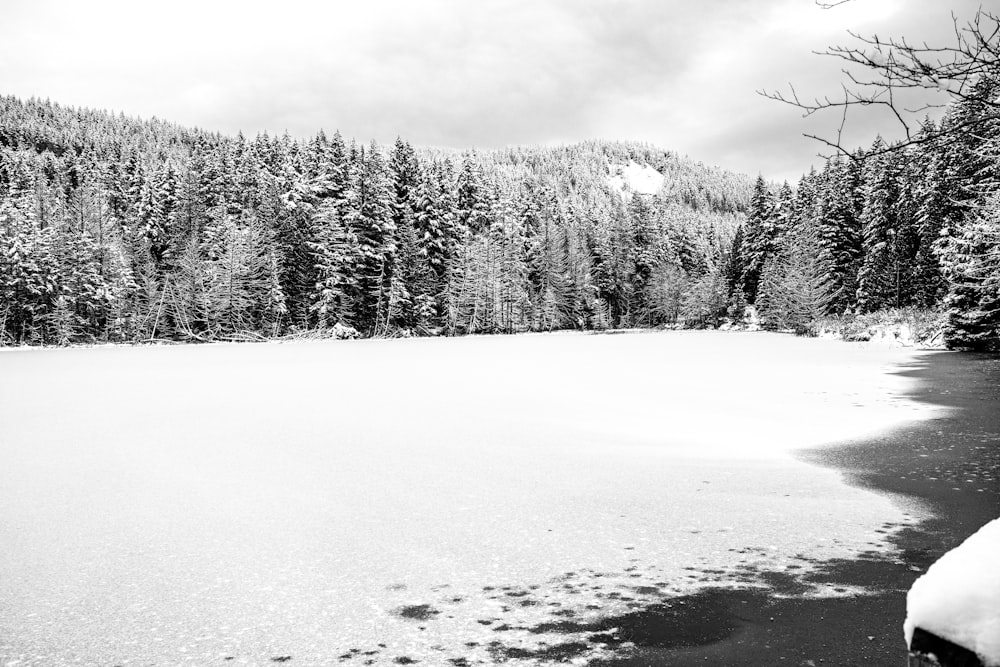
{"x": 344, "y": 332}
{"x": 953, "y": 610}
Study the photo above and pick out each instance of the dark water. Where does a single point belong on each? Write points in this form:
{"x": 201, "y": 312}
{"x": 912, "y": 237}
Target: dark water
{"x": 950, "y": 465}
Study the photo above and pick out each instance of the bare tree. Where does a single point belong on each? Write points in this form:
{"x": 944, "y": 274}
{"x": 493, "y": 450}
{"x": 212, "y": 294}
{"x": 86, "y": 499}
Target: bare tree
{"x": 908, "y": 80}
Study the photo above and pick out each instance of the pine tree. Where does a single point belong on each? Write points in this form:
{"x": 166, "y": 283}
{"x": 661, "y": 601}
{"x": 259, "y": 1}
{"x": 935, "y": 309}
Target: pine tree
{"x": 646, "y": 256}
{"x": 188, "y": 305}
{"x": 733, "y": 274}
{"x": 759, "y": 237}
{"x": 512, "y": 294}
{"x": 613, "y": 268}
{"x": 795, "y": 292}
{"x": 838, "y": 229}
{"x": 369, "y": 217}
{"x": 80, "y": 293}
{"x": 785, "y": 214}
{"x": 409, "y": 287}
{"x": 335, "y": 253}
{"x": 704, "y": 302}
{"x": 967, "y": 247}
{"x": 436, "y": 242}
{"x": 878, "y": 277}
{"x": 25, "y": 261}
{"x": 928, "y": 281}
{"x": 324, "y": 249}
{"x": 807, "y": 204}
{"x": 239, "y": 285}
{"x": 290, "y": 207}
{"x": 470, "y": 201}
{"x": 546, "y": 262}
{"x": 973, "y": 272}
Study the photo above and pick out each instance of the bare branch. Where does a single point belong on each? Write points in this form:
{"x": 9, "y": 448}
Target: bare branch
{"x": 876, "y": 69}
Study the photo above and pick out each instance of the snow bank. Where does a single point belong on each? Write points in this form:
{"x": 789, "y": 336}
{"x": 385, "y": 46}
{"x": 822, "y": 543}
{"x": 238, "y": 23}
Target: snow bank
{"x": 906, "y": 327}
{"x": 958, "y": 599}
{"x": 634, "y": 178}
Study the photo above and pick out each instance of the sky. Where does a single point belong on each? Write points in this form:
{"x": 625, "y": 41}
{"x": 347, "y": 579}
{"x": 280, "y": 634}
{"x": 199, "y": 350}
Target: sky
{"x": 683, "y": 76}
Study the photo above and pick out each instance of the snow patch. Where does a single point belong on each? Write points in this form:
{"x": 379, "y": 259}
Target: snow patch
{"x": 634, "y": 178}
{"x": 958, "y": 599}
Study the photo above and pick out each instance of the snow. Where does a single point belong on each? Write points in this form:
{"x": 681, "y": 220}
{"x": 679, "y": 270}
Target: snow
{"x": 958, "y": 598}
{"x": 634, "y": 178}
{"x": 175, "y": 504}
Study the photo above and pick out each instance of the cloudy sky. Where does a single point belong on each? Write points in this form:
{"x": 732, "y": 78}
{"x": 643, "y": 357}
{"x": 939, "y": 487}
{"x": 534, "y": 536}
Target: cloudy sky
{"x": 461, "y": 73}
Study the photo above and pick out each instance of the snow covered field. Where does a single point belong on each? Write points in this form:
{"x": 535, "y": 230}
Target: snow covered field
{"x": 234, "y": 504}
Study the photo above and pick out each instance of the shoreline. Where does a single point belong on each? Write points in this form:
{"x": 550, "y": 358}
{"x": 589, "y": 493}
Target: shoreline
{"x": 882, "y": 335}
{"x": 950, "y": 465}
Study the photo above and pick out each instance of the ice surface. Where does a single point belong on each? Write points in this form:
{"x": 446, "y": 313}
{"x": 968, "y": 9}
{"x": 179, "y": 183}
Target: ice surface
{"x": 185, "y": 504}
{"x": 958, "y": 598}
{"x": 634, "y": 177}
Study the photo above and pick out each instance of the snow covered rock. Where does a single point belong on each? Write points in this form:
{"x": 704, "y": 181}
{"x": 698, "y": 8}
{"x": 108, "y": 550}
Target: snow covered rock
{"x": 958, "y": 598}
{"x": 344, "y": 332}
{"x": 929, "y": 650}
{"x": 634, "y": 178}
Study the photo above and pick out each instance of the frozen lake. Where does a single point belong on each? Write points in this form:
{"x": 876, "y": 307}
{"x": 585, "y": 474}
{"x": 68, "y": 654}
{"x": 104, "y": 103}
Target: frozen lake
{"x": 381, "y": 500}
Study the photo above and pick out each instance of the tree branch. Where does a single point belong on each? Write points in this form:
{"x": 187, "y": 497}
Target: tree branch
{"x": 875, "y": 70}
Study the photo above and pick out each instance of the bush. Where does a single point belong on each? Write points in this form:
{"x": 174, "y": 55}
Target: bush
{"x": 910, "y": 326}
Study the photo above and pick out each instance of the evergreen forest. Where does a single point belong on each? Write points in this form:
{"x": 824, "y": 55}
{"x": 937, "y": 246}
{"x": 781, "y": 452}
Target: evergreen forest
{"x": 116, "y": 229}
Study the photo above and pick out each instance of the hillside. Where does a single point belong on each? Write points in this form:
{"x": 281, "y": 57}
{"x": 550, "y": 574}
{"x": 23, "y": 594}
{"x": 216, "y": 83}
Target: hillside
{"x": 120, "y": 229}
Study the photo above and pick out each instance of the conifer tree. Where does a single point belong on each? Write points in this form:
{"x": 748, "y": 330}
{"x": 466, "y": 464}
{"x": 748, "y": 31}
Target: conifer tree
{"x": 759, "y": 237}
{"x": 24, "y": 279}
{"x": 932, "y": 211}
{"x": 612, "y": 252}
{"x": 704, "y": 303}
{"x": 734, "y": 268}
{"x": 795, "y": 292}
{"x": 973, "y": 272}
{"x": 369, "y": 216}
{"x": 967, "y": 250}
{"x": 335, "y": 253}
{"x": 838, "y": 230}
{"x": 646, "y": 256}
{"x": 239, "y": 285}
{"x": 471, "y": 204}
{"x": 879, "y": 279}
{"x": 512, "y": 295}
{"x": 409, "y": 285}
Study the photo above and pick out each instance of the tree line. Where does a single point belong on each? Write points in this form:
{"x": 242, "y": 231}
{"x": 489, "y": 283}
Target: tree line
{"x": 119, "y": 229}
{"x": 910, "y": 225}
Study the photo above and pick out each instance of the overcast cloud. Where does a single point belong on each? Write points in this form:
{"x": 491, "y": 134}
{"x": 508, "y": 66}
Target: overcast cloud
{"x": 462, "y": 73}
